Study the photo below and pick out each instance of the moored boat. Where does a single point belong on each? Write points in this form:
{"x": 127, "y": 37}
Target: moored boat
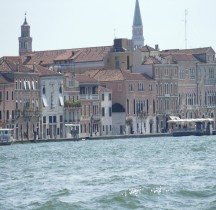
{"x": 6, "y": 137}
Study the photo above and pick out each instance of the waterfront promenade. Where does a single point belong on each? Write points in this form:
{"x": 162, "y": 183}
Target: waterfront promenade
{"x": 111, "y": 137}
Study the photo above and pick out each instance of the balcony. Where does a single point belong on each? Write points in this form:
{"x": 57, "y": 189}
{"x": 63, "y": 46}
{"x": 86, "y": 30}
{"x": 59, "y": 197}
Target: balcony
{"x": 89, "y": 97}
{"x": 96, "y": 118}
{"x": 72, "y": 104}
{"x": 18, "y": 113}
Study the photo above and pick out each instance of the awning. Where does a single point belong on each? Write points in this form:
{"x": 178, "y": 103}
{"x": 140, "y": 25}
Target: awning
{"x": 33, "y": 87}
{"x": 29, "y": 85}
{"x": 24, "y": 85}
{"x": 61, "y": 100}
{"x": 44, "y": 101}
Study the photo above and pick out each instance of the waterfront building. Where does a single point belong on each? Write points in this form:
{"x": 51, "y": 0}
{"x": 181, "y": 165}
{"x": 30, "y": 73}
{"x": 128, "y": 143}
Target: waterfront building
{"x": 197, "y": 92}
{"x": 51, "y": 93}
{"x": 7, "y": 105}
{"x": 90, "y": 120}
{"x": 25, "y": 97}
{"x": 72, "y": 106}
{"x": 105, "y": 95}
{"x": 135, "y": 93}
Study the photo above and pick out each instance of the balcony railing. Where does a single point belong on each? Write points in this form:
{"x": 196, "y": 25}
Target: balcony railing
{"x": 89, "y": 97}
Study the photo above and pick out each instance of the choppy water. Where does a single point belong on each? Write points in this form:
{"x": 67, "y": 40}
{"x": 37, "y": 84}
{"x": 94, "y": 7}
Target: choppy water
{"x": 154, "y": 173}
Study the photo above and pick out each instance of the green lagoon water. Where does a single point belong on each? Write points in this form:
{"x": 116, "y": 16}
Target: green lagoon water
{"x": 149, "y": 173}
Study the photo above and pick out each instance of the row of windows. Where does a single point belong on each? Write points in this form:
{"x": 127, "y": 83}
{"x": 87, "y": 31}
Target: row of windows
{"x": 164, "y": 105}
{"x": 110, "y": 97}
{"x": 103, "y": 111}
{"x": 192, "y": 99}
{"x": 140, "y": 87}
{"x": 53, "y": 119}
{"x": 7, "y": 96}
{"x": 44, "y": 90}
{"x": 26, "y": 85}
{"x": 166, "y": 72}
{"x": 139, "y": 106}
{"x": 9, "y": 115}
{"x": 166, "y": 89}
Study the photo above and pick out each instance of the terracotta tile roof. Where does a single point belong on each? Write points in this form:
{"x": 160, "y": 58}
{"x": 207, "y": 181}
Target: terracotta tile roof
{"x": 194, "y": 51}
{"x": 151, "y": 60}
{"x": 83, "y": 78}
{"x": 6, "y": 65}
{"x": 115, "y": 75}
{"x": 43, "y": 71}
{"x": 108, "y": 75}
{"x": 68, "y": 55}
{"x": 147, "y": 48}
{"x": 91, "y": 54}
{"x": 183, "y": 57}
{"x": 134, "y": 76}
{"x": 14, "y": 59}
{"x": 41, "y": 57}
{"x": 103, "y": 89}
{"x": 4, "y": 80}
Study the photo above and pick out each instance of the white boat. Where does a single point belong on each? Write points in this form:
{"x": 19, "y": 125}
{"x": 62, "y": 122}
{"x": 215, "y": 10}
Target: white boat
{"x": 6, "y": 137}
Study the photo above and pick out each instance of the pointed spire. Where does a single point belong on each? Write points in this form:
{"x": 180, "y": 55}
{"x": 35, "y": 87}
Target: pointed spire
{"x": 25, "y": 22}
{"x": 137, "y": 15}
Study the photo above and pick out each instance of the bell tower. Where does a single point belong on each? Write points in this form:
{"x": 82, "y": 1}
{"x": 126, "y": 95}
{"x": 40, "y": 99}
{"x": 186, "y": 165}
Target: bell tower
{"x": 137, "y": 29}
{"x": 25, "y": 41}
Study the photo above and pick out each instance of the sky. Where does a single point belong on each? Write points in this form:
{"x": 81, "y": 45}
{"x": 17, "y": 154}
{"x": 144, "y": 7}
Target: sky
{"x": 65, "y": 24}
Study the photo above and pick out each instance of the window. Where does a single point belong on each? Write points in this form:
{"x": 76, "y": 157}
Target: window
{"x": 0, "y": 96}
{"x": 110, "y": 111}
{"x": 54, "y": 119}
{"x": 60, "y": 89}
{"x": 192, "y": 73}
{"x": 117, "y": 63}
{"x": 36, "y": 85}
{"x": 131, "y": 88}
{"x": 61, "y": 118}
{"x": 0, "y": 115}
{"x": 16, "y": 84}
{"x": 71, "y": 83}
{"x": 7, "y": 95}
{"x": 110, "y": 128}
{"x": 7, "y": 114}
{"x": 110, "y": 96}
{"x": 12, "y": 96}
{"x": 140, "y": 86}
{"x": 50, "y": 119}
{"x": 182, "y": 74}
{"x": 103, "y": 112}
{"x": 44, "y": 90}
{"x": 102, "y": 97}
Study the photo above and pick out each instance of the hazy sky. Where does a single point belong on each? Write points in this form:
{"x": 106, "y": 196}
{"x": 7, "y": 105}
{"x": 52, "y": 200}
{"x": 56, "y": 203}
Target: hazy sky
{"x": 61, "y": 24}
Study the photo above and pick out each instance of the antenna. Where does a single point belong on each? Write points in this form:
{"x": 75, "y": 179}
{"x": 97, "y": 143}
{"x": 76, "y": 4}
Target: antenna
{"x": 186, "y": 13}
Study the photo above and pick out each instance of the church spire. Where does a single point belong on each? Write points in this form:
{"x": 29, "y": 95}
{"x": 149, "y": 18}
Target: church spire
{"x": 137, "y": 31}
{"x": 137, "y": 15}
{"x": 25, "y": 22}
{"x": 25, "y": 41}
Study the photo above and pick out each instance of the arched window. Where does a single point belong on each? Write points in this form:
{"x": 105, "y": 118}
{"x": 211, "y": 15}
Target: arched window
{"x": 44, "y": 90}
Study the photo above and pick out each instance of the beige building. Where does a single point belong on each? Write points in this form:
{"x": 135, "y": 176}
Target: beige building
{"x": 135, "y": 93}
{"x": 90, "y": 119}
